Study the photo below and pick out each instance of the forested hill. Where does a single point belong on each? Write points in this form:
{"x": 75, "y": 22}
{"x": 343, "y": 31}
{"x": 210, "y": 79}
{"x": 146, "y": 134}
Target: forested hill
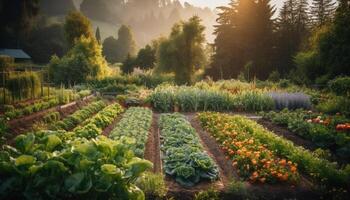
{"x": 148, "y": 19}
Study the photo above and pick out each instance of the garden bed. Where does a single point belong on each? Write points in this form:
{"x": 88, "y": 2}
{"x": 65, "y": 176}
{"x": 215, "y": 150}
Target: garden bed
{"x": 20, "y": 125}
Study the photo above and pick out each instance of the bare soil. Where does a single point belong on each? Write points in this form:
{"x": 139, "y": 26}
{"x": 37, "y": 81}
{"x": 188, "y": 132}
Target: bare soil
{"x": 152, "y": 149}
{"x": 110, "y": 128}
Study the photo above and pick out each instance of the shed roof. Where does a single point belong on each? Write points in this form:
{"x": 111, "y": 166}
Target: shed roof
{"x": 15, "y": 53}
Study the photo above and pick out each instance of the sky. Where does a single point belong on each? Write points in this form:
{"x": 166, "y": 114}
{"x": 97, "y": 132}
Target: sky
{"x": 216, "y": 3}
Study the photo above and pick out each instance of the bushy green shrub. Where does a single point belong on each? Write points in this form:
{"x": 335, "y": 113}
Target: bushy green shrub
{"x": 335, "y": 105}
{"x": 340, "y": 86}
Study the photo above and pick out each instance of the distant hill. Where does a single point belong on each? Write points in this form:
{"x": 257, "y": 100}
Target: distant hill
{"x": 147, "y": 18}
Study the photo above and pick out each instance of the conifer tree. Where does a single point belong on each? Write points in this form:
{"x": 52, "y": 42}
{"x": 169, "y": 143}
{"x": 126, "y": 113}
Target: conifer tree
{"x": 98, "y": 35}
{"x": 322, "y": 11}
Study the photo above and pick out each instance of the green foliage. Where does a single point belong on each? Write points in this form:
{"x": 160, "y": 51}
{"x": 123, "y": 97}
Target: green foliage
{"x": 148, "y": 80}
{"x": 153, "y": 185}
{"x": 210, "y": 194}
{"x": 134, "y": 128}
{"x": 308, "y": 65}
{"x": 323, "y": 171}
{"x": 29, "y": 109}
{"x": 76, "y": 26}
{"x": 6, "y": 63}
{"x": 335, "y": 45}
{"x": 340, "y": 86}
{"x": 184, "y": 156}
{"x": 183, "y": 51}
{"x": 117, "y": 50}
{"x": 238, "y": 188}
{"x": 23, "y": 85}
{"x": 274, "y": 76}
{"x": 51, "y": 117}
{"x": 128, "y": 65}
{"x": 324, "y": 136}
{"x": 241, "y": 26}
{"x": 146, "y": 57}
{"x": 193, "y": 99}
{"x": 93, "y": 127}
{"x": 82, "y": 62}
{"x": 79, "y": 116}
{"x": 45, "y": 40}
{"x": 335, "y": 105}
{"x": 58, "y": 165}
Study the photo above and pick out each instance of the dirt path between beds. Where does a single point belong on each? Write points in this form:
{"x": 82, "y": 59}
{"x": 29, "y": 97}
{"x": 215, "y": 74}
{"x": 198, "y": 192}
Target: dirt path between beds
{"x": 152, "y": 150}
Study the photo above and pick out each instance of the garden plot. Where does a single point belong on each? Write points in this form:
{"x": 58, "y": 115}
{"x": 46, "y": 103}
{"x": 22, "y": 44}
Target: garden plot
{"x": 319, "y": 130}
{"x": 238, "y": 135}
{"x": 134, "y": 129}
{"x": 23, "y": 124}
{"x": 186, "y": 162}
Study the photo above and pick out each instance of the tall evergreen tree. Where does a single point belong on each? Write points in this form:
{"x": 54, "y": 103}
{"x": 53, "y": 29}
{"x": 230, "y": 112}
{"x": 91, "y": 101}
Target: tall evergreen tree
{"x": 98, "y": 35}
{"x": 125, "y": 43}
{"x": 244, "y": 35}
{"x": 322, "y": 11}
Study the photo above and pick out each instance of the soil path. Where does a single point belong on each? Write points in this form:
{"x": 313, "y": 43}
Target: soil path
{"x": 152, "y": 150}
{"x": 110, "y": 128}
{"x": 227, "y": 172}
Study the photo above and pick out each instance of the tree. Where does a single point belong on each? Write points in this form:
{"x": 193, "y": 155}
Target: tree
{"x": 322, "y": 11}
{"x": 335, "y": 46}
{"x": 98, "y": 35}
{"x": 110, "y": 49}
{"x": 146, "y": 57}
{"x": 125, "y": 43}
{"x": 76, "y": 26}
{"x": 182, "y": 52}
{"x": 54, "y": 43}
{"x": 16, "y": 17}
{"x": 83, "y": 61}
{"x": 244, "y": 35}
{"x": 128, "y": 64}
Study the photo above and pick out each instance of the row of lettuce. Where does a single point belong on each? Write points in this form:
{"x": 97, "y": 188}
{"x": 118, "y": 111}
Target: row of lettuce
{"x": 184, "y": 157}
{"x": 74, "y": 164}
{"x": 261, "y": 156}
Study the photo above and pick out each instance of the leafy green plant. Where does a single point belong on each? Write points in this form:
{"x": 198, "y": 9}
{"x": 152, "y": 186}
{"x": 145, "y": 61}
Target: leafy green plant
{"x": 210, "y": 194}
{"x": 51, "y": 117}
{"x": 79, "y": 116}
{"x": 184, "y": 156}
{"x": 94, "y": 126}
{"x": 134, "y": 128}
{"x": 153, "y": 185}
{"x": 57, "y": 165}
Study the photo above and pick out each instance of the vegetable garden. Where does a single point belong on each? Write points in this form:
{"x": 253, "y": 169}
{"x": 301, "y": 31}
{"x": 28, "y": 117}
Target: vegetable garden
{"x": 223, "y": 139}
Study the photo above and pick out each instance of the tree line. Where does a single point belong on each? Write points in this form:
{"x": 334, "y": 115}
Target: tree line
{"x": 302, "y": 43}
